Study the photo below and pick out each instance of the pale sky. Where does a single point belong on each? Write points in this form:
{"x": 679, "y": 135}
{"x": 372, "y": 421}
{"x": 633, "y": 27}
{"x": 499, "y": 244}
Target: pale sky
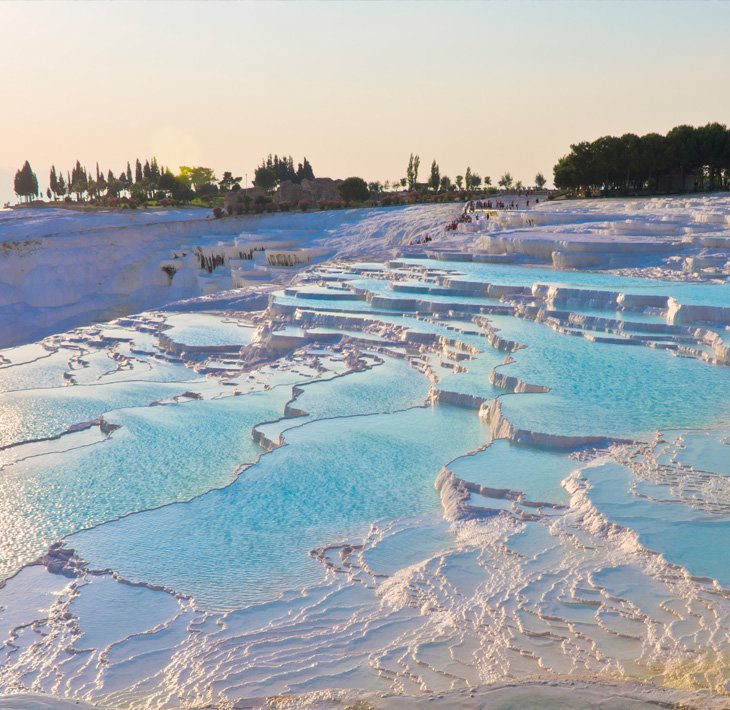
{"x": 354, "y": 86}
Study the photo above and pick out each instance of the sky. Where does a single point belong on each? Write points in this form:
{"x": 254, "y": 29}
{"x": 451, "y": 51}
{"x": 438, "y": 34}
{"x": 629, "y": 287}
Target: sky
{"x": 354, "y": 86}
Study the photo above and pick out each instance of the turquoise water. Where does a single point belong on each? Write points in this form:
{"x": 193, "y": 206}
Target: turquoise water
{"x": 695, "y": 539}
{"x": 598, "y": 388}
{"x": 181, "y": 496}
{"x": 536, "y": 473}
{"x": 160, "y": 454}
{"x": 31, "y": 413}
{"x": 250, "y": 540}
{"x": 511, "y": 274}
{"x": 202, "y": 329}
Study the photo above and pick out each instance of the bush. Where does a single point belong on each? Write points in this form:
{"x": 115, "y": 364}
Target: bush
{"x": 303, "y": 205}
{"x": 217, "y": 212}
{"x": 285, "y": 206}
{"x": 272, "y": 207}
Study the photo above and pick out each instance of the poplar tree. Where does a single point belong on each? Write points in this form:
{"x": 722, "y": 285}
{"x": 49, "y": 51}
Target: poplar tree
{"x": 412, "y": 171}
{"x": 435, "y": 179}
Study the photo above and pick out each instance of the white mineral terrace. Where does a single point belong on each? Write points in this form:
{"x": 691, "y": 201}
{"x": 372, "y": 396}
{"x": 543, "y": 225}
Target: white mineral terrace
{"x": 454, "y": 473}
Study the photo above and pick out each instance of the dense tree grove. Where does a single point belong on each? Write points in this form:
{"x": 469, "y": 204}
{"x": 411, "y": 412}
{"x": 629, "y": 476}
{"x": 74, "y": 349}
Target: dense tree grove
{"x": 275, "y": 170}
{"x": 686, "y": 158}
{"x": 146, "y": 181}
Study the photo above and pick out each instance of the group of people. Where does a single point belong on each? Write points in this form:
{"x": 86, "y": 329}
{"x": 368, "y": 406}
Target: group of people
{"x": 487, "y": 205}
{"x": 500, "y": 204}
{"x": 464, "y": 217}
{"x": 422, "y": 240}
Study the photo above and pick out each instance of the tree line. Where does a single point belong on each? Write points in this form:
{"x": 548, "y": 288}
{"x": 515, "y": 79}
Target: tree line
{"x": 437, "y": 183}
{"x": 149, "y": 182}
{"x": 145, "y": 181}
{"x": 686, "y": 158}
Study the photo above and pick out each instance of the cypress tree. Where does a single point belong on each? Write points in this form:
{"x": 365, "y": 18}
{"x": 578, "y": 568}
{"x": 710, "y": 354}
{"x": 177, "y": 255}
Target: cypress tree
{"x": 26, "y": 182}
{"x": 137, "y": 171}
{"x": 53, "y": 180}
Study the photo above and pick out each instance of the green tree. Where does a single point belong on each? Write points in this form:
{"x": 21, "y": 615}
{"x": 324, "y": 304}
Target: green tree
{"x": 414, "y": 163}
{"x": 540, "y": 181}
{"x": 353, "y": 189}
{"x": 138, "y": 192}
{"x": 61, "y": 185}
{"x": 79, "y": 181}
{"x": 459, "y": 181}
{"x": 435, "y": 180}
{"x": 138, "y": 172}
{"x": 445, "y": 183}
{"x": 505, "y": 181}
{"x": 198, "y": 177}
{"x": 177, "y": 188}
{"x": 228, "y": 182}
{"x": 467, "y": 179}
{"x": 53, "y": 180}
{"x": 304, "y": 171}
{"x": 26, "y": 182}
{"x": 113, "y": 187}
{"x": 265, "y": 177}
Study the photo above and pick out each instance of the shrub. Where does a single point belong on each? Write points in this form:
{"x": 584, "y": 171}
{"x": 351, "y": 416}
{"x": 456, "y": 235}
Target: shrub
{"x": 217, "y": 212}
{"x": 303, "y": 205}
{"x": 285, "y": 206}
{"x": 272, "y": 207}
